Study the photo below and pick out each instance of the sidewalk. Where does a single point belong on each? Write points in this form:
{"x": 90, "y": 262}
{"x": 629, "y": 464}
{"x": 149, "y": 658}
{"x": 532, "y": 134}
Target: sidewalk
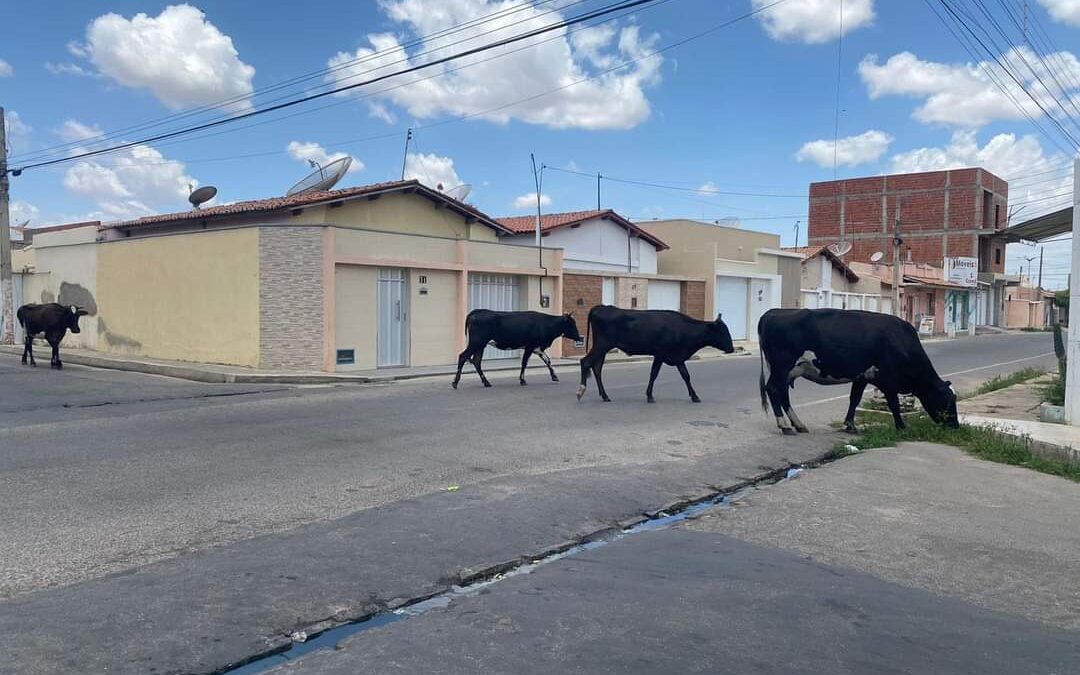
{"x": 222, "y": 374}
{"x": 1015, "y": 411}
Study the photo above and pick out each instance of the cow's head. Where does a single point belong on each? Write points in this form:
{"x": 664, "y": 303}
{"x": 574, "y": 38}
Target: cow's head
{"x": 569, "y": 327}
{"x": 720, "y": 336}
{"x": 71, "y": 318}
{"x": 940, "y": 404}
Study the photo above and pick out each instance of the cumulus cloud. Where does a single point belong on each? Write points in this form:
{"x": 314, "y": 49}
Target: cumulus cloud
{"x": 707, "y": 189}
{"x": 1063, "y": 11}
{"x": 74, "y": 130}
{"x": 813, "y": 21}
{"x": 20, "y": 212}
{"x": 6, "y": 69}
{"x": 431, "y": 170}
{"x": 135, "y": 182}
{"x": 1020, "y": 160}
{"x": 964, "y": 95}
{"x": 304, "y": 151}
{"x": 867, "y": 147}
{"x": 528, "y": 201}
{"x": 66, "y": 68}
{"x": 178, "y": 55}
{"x": 18, "y": 132}
{"x": 613, "y": 100}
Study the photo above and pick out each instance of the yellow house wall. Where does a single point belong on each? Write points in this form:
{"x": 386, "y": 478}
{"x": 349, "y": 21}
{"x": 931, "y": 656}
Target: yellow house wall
{"x": 409, "y": 214}
{"x": 190, "y": 297}
{"x": 65, "y": 265}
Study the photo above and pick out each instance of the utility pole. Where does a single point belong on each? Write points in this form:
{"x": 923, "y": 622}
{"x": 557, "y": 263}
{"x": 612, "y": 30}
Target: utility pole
{"x": 597, "y": 190}
{"x": 797, "y": 233}
{"x": 1040, "y": 267}
{"x": 1072, "y": 350}
{"x": 405, "y": 157}
{"x": 7, "y": 292}
{"x": 897, "y": 275}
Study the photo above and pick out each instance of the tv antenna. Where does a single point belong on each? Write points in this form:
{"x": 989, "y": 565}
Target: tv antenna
{"x": 322, "y": 178}
{"x": 840, "y": 248}
{"x": 201, "y": 196}
{"x": 459, "y": 192}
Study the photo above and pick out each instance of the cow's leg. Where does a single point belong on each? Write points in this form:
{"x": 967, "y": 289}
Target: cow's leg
{"x": 686, "y": 378}
{"x": 55, "y": 344}
{"x": 586, "y": 366}
{"x": 477, "y": 357}
{"x": 547, "y": 362}
{"x": 857, "y": 388}
{"x": 656, "y": 363}
{"x": 598, "y": 368}
{"x": 28, "y": 349}
{"x": 461, "y": 359}
{"x": 893, "y": 399}
{"x": 524, "y": 362}
{"x": 776, "y": 388}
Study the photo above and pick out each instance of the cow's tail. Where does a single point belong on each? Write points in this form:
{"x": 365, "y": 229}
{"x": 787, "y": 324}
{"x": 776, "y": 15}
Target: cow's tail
{"x": 762, "y": 376}
{"x": 21, "y": 316}
{"x": 588, "y": 330}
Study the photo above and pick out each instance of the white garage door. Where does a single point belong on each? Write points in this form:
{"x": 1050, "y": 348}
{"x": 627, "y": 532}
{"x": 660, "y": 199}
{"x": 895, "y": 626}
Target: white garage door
{"x": 499, "y": 292}
{"x": 664, "y": 294}
{"x": 731, "y": 302}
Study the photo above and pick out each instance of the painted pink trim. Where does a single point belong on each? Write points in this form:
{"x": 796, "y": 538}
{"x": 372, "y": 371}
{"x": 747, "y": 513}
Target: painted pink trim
{"x": 329, "y": 301}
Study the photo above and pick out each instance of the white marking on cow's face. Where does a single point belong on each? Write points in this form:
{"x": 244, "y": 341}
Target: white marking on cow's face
{"x": 74, "y": 309}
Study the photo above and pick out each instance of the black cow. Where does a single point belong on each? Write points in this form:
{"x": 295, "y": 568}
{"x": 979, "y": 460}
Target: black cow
{"x": 837, "y": 346}
{"x": 532, "y": 331}
{"x": 52, "y": 319}
{"x": 669, "y": 337}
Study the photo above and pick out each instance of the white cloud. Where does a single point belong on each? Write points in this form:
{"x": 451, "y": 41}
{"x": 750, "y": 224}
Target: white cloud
{"x": 707, "y": 189}
{"x": 614, "y": 100}
{"x": 1005, "y": 155}
{"x": 379, "y": 111}
{"x": 813, "y": 21}
{"x": 6, "y": 69}
{"x": 1064, "y": 11}
{"x": 528, "y": 201}
{"x": 304, "y": 151}
{"x": 431, "y": 170}
{"x": 135, "y": 182}
{"x": 18, "y": 132}
{"x": 178, "y": 55}
{"x": 867, "y": 147}
{"x": 20, "y": 211}
{"x": 74, "y": 130}
{"x": 66, "y": 69}
{"x": 964, "y": 95}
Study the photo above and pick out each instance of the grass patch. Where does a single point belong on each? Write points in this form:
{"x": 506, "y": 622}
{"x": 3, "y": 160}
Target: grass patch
{"x": 1054, "y": 391}
{"x": 1000, "y": 382}
{"x": 1036, "y": 329}
{"x": 980, "y": 442}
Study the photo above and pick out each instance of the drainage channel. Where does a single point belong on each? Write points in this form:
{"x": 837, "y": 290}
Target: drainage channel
{"x": 303, "y": 644}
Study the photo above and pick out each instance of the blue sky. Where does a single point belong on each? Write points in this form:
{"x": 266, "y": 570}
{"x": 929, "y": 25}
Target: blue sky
{"x": 728, "y": 112}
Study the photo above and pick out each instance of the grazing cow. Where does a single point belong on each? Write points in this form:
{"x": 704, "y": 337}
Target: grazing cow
{"x": 52, "y": 319}
{"x": 532, "y": 331}
{"x": 836, "y": 346}
{"x": 669, "y": 337}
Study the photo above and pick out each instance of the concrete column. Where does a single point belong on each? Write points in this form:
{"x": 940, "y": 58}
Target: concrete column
{"x": 462, "y": 255}
{"x": 1072, "y": 351}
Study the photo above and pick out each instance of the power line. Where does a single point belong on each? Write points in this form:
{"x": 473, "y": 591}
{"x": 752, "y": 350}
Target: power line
{"x": 446, "y": 59}
{"x": 699, "y": 191}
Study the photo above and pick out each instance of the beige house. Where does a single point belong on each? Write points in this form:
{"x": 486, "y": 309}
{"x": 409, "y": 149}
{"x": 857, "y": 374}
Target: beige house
{"x": 365, "y": 277}
{"x": 746, "y": 272}
{"x": 827, "y": 281}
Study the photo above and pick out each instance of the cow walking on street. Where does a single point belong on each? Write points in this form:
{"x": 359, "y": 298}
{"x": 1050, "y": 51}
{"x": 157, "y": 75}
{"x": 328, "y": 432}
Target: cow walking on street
{"x": 836, "y": 346}
{"x": 54, "y": 321}
{"x": 669, "y": 337}
{"x": 533, "y": 332}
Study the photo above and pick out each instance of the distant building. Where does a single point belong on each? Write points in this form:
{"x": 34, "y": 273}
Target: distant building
{"x": 827, "y": 281}
{"x": 955, "y": 214}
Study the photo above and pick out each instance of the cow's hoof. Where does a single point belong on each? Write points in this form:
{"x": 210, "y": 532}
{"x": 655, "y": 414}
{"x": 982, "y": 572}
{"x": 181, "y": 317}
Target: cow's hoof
{"x": 580, "y": 391}
{"x": 695, "y": 400}
{"x": 522, "y": 382}
{"x": 788, "y": 432}
{"x": 606, "y": 399}
{"x": 802, "y": 430}
{"x": 453, "y": 385}
{"x": 487, "y": 384}
{"x": 554, "y": 379}
{"x": 850, "y": 430}
{"x": 650, "y": 399}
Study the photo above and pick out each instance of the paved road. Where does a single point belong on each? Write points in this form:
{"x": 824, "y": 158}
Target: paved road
{"x": 105, "y": 472}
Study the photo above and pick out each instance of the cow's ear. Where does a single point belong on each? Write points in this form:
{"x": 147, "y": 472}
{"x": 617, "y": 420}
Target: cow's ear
{"x": 719, "y": 316}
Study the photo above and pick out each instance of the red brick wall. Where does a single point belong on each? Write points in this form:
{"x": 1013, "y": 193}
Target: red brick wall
{"x": 580, "y": 294}
{"x": 692, "y": 299}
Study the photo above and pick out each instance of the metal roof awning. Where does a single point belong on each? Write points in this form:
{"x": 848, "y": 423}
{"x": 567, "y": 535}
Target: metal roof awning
{"x": 1043, "y": 227}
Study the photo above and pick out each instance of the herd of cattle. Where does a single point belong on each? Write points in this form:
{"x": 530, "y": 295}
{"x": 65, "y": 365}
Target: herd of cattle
{"x": 826, "y": 346}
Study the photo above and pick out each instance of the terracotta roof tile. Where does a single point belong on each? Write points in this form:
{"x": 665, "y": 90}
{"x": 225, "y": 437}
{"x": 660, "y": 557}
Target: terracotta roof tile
{"x": 554, "y": 221}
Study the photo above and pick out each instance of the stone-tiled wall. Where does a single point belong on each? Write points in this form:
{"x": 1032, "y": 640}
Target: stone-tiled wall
{"x": 291, "y": 290}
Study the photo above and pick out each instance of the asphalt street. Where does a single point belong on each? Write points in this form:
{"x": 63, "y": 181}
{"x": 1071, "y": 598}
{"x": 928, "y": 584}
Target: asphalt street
{"x": 118, "y": 486}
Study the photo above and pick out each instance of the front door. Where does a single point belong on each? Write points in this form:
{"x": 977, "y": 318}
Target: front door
{"x": 731, "y": 295}
{"x": 760, "y": 302}
{"x": 393, "y": 318}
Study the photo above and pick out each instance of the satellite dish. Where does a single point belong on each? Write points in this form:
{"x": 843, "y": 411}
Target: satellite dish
{"x": 202, "y": 195}
{"x": 876, "y": 256}
{"x": 840, "y": 248}
{"x": 459, "y": 192}
{"x": 323, "y": 178}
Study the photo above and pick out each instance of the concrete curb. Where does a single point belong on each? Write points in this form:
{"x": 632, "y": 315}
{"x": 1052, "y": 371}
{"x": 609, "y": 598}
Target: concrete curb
{"x": 209, "y": 374}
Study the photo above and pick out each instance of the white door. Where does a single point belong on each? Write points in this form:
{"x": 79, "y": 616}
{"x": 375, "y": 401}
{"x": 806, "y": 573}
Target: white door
{"x": 731, "y": 296}
{"x": 665, "y": 294}
{"x": 393, "y": 318}
{"x": 607, "y": 291}
{"x": 499, "y": 292}
{"x": 760, "y": 301}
